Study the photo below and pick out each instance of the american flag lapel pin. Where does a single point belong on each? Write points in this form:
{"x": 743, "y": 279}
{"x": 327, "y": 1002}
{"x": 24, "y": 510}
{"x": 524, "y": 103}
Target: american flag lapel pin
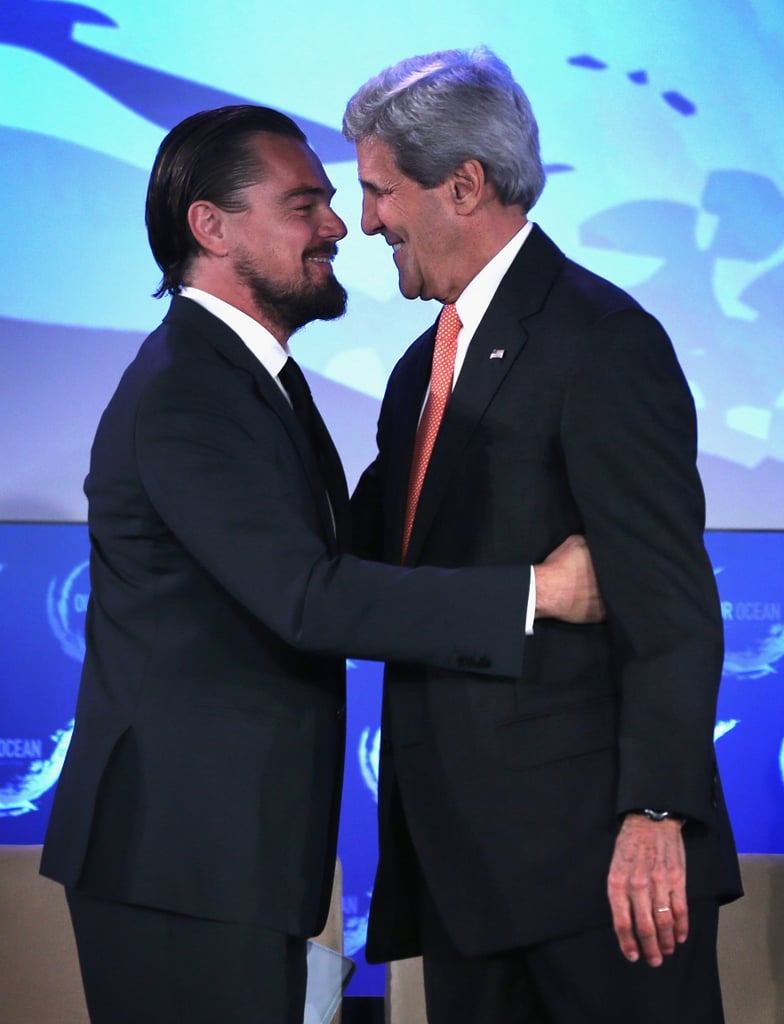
{"x": 497, "y": 353}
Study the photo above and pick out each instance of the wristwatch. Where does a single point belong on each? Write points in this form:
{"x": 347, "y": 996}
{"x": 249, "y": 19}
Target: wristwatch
{"x": 659, "y": 815}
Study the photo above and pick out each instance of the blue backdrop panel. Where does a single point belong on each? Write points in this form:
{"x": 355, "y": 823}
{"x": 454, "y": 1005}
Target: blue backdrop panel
{"x": 43, "y": 594}
{"x": 44, "y": 587}
{"x": 750, "y": 719}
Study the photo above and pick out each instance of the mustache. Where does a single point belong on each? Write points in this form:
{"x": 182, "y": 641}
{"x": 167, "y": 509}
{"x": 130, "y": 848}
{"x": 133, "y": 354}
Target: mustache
{"x": 330, "y": 250}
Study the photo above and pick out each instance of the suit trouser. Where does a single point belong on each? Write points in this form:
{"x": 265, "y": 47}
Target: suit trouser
{"x": 145, "y": 966}
{"x": 582, "y": 979}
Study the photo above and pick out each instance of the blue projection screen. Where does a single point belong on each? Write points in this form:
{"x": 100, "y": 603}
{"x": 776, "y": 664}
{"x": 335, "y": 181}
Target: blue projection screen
{"x": 660, "y": 128}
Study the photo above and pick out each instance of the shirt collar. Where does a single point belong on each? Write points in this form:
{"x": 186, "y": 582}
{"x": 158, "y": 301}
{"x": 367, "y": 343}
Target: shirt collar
{"x": 478, "y": 293}
{"x": 266, "y": 348}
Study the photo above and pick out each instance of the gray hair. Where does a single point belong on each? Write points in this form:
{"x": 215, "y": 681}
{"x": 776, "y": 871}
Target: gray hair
{"x": 437, "y": 110}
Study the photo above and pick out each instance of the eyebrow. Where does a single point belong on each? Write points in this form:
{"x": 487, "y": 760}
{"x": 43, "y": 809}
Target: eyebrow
{"x": 308, "y": 190}
{"x": 373, "y": 186}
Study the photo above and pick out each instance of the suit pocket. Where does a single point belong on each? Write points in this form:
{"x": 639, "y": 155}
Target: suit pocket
{"x": 530, "y": 740}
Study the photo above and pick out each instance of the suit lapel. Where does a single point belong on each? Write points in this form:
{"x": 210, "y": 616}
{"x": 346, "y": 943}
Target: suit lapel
{"x": 480, "y": 378}
{"x": 409, "y": 397}
{"x": 335, "y": 480}
{"x": 520, "y": 296}
{"x": 323, "y": 469}
{"x": 220, "y": 337}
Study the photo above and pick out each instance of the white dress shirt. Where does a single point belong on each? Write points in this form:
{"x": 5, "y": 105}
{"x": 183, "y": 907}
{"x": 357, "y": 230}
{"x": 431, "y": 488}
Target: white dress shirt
{"x": 471, "y": 307}
{"x": 264, "y": 346}
{"x": 480, "y": 291}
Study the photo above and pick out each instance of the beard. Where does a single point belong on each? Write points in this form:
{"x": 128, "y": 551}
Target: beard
{"x": 292, "y": 304}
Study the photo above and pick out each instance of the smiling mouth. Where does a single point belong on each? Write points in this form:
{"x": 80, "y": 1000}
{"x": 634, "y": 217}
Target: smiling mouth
{"x": 325, "y": 255}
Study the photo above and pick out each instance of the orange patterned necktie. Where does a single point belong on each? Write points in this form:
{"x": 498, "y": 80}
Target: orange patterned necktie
{"x": 440, "y": 389}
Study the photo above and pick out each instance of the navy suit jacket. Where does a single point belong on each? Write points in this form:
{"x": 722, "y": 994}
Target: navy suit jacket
{"x": 570, "y": 415}
{"x": 205, "y": 768}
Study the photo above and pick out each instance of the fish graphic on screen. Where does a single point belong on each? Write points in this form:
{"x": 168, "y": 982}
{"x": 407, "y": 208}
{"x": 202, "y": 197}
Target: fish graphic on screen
{"x": 46, "y": 27}
{"x": 21, "y": 788}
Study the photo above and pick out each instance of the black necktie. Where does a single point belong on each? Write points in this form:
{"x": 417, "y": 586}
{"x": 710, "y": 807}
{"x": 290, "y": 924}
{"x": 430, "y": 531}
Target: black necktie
{"x": 293, "y": 380}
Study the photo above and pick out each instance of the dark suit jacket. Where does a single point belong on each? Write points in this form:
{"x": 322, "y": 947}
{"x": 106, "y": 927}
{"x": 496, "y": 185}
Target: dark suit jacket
{"x": 581, "y": 422}
{"x": 205, "y": 768}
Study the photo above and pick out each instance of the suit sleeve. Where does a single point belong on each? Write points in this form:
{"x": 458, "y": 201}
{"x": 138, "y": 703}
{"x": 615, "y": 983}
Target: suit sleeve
{"x": 221, "y": 473}
{"x": 629, "y": 435}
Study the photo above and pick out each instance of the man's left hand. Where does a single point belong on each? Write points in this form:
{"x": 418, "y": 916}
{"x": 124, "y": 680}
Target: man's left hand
{"x": 647, "y": 888}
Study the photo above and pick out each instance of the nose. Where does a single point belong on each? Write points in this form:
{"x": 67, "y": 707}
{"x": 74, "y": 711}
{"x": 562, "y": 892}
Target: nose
{"x": 333, "y": 227}
{"x": 371, "y": 222}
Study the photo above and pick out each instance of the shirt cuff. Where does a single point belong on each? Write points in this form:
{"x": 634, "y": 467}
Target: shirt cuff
{"x": 530, "y": 611}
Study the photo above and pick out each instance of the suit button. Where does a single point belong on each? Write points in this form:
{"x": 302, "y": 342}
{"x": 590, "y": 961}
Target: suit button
{"x": 340, "y": 714}
{"x": 474, "y": 660}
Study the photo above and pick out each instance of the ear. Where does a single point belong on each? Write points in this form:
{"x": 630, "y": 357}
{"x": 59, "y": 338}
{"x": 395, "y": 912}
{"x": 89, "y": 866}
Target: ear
{"x": 467, "y": 186}
{"x": 206, "y": 222}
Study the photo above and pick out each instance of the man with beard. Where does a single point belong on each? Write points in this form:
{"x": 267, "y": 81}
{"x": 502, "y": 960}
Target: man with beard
{"x": 194, "y": 825}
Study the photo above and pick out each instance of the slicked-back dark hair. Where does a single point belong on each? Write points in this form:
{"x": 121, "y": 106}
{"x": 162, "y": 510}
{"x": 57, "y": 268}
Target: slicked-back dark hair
{"x": 207, "y": 156}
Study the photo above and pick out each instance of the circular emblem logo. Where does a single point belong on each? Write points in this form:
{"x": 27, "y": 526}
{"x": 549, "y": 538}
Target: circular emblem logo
{"x": 30, "y": 765}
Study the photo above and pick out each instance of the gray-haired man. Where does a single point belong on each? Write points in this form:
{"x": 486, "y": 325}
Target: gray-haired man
{"x": 509, "y": 813}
